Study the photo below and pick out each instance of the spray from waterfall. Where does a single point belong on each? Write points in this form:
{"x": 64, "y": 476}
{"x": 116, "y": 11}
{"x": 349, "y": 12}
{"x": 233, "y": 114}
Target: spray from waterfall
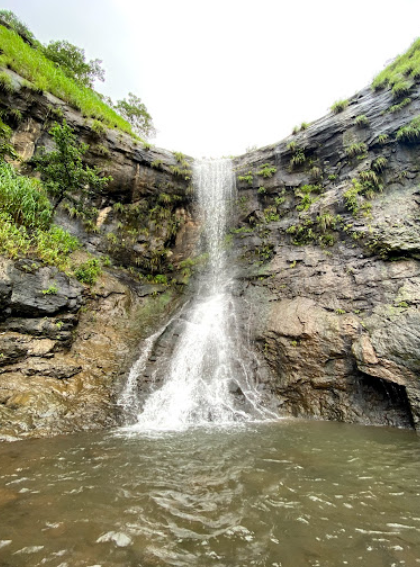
{"x": 207, "y": 379}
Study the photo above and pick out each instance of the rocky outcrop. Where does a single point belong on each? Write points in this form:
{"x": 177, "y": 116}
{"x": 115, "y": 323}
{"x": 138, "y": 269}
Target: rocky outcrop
{"x": 328, "y": 239}
{"x": 65, "y": 353}
{"x": 65, "y": 347}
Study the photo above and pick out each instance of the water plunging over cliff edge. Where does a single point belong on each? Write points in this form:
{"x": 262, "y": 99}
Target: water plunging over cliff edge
{"x": 207, "y": 379}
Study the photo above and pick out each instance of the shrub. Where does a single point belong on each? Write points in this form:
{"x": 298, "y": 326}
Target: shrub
{"x": 369, "y": 180}
{"x": 249, "y": 178}
{"x": 339, "y": 106}
{"x": 14, "y": 239}
{"x": 71, "y": 60}
{"x": 379, "y": 164}
{"x": 362, "y": 121}
{"x": 135, "y": 112}
{"x": 89, "y": 271}
{"x": 383, "y": 139}
{"x": 305, "y": 194}
{"x": 400, "y": 106}
{"x": 350, "y": 197}
{"x": 411, "y": 132}
{"x": 267, "y": 170}
{"x": 356, "y": 149}
{"x": 54, "y": 245}
{"x": 24, "y": 199}
{"x": 63, "y": 170}
{"x": 401, "y": 88}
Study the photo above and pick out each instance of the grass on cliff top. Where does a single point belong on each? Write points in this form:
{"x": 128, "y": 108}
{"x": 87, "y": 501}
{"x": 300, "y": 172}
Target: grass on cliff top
{"x": 45, "y": 76}
{"x": 402, "y": 73}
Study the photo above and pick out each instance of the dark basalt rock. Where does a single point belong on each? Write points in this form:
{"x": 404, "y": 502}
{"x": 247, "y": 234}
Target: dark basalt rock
{"x": 338, "y": 325}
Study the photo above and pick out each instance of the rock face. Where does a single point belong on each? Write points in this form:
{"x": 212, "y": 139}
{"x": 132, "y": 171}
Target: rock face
{"x": 65, "y": 355}
{"x": 328, "y": 239}
{"x": 327, "y": 245}
{"x": 66, "y": 348}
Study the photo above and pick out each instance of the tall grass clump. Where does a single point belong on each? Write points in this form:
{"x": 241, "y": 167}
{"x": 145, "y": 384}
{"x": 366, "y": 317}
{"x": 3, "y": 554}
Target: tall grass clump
{"x": 411, "y": 132}
{"x": 339, "y": 106}
{"x": 31, "y": 64}
{"x": 24, "y": 199}
{"x": 402, "y": 73}
{"x": 26, "y": 216}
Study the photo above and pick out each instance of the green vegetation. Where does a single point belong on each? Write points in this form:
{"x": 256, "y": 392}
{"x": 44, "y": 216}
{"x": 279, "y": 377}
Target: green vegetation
{"x": 361, "y": 121}
{"x": 319, "y": 231}
{"x": 16, "y": 25}
{"x": 249, "y": 177}
{"x": 401, "y": 74}
{"x": 66, "y": 75}
{"x": 98, "y": 129}
{"x": 6, "y": 148}
{"x": 379, "y": 164}
{"x": 399, "y": 106}
{"x": 339, "y": 106}
{"x": 298, "y": 157}
{"x": 411, "y": 132}
{"x": 356, "y": 149}
{"x": 89, "y": 271}
{"x": 366, "y": 185}
{"x": 136, "y": 114}
{"x": 52, "y": 290}
{"x": 266, "y": 170}
{"x": 71, "y": 60}
{"x": 383, "y": 139}
{"x": 24, "y": 200}
{"x": 25, "y": 221}
{"x": 305, "y": 193}
{"x": 63, "y": 171}
{"x": 303, "y": 126}
{"x": 6, "y": 83}
{"x": 315, "y": 172}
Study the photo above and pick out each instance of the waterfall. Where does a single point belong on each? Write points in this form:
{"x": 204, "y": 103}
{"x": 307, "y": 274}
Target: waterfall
{"x": 207, "y": 379}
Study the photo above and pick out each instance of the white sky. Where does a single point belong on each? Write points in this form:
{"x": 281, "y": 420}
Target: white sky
{"x": 223, "y": 75}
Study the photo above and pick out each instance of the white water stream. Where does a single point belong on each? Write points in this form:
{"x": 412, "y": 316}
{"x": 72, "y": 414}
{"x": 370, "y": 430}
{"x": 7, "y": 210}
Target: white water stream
{"x": 207, "y": 370}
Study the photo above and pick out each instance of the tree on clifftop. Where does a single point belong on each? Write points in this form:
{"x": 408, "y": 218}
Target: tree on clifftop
{"x": 72, "y": 61}
{"x": 136, "y": 114}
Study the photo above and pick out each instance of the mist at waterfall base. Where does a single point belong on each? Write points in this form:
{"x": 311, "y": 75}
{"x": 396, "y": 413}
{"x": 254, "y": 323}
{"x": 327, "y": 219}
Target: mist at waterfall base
{"x": 208, "y": 368}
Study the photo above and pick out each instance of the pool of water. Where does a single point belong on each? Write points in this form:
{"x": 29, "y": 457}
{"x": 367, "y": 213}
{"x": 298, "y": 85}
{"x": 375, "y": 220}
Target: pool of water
{"x": 286, "y": 494}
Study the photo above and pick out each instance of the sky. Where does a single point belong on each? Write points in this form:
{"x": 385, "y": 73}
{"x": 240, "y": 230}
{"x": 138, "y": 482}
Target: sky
{"x": 222, "y": 76}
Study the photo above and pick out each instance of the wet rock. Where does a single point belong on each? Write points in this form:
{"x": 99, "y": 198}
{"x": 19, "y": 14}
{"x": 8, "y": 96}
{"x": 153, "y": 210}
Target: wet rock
{"x": 338, "y": 325}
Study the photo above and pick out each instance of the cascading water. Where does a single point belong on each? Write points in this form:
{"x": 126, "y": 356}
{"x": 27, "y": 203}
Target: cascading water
{"x": 207, "y": 379}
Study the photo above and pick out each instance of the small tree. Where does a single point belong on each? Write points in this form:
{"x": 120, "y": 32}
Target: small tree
{"x": 135, "y": 112}
{"x": 63, "y": 171}
{"x": 72, "y": 61}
